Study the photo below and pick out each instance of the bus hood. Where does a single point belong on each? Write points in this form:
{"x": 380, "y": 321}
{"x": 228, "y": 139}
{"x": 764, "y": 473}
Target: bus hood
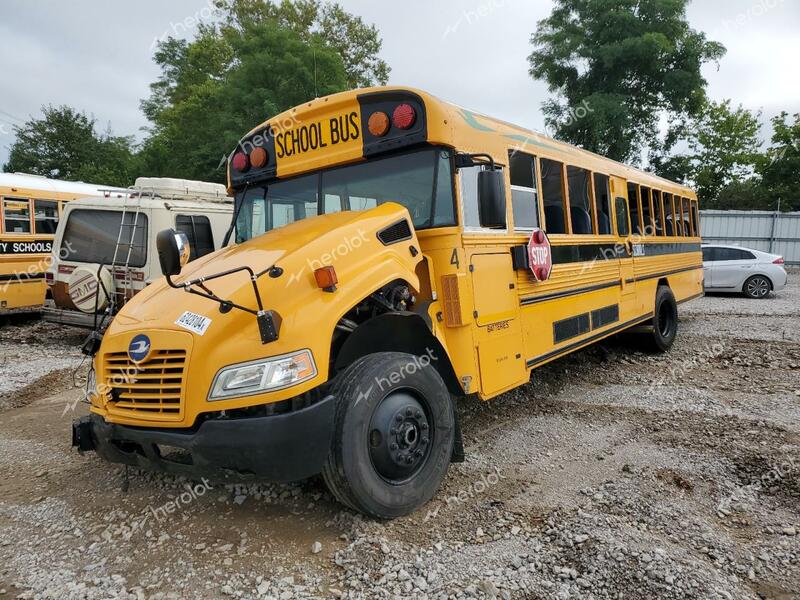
{"x": 343, "y": 240}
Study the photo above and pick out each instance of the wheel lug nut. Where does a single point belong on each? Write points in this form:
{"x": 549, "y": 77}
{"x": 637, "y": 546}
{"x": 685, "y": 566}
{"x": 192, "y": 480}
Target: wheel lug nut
{"x": 409, "y": 412}
{"x": 424, "y": 441}
{"x": 424, "y": 426}
{"x": 409, "y": 460}
{"x": 418, "y": 414}
{"x": 394, "y": 447}
{"x": 399, "y": 418}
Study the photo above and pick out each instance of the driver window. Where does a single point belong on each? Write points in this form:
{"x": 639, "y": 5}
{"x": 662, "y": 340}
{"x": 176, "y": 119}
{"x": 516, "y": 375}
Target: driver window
{"x": 468, "y": 178}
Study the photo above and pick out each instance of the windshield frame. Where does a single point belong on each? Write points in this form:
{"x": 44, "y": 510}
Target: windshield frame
{"x": 435, "y": 154}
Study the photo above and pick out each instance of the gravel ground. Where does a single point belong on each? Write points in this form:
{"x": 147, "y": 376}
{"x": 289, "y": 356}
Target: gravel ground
{"x": 614, "y": 474}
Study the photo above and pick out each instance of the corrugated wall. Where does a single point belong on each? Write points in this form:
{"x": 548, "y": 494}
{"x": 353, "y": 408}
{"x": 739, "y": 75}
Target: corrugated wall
{"x": 778, "y": 233}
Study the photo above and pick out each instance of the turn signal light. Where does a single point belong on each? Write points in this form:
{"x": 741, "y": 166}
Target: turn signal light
{"x": 378, "y": 124}
{"x": 326, "y": 278}
{"x": 404, "y": 116}
{"x": 241, "y": 162}
{"x": 258, "y": 157}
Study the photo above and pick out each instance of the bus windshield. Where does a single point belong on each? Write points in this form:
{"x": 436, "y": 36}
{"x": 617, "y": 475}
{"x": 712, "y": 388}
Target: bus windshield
{"x": 421, "y": 181}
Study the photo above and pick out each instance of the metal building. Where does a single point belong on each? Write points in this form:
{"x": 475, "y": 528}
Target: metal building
{"x": 778, "y": 233}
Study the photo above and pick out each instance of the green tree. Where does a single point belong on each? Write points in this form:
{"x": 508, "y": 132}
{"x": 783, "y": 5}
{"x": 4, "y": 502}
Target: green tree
{"x": 357, "y": 43}
{"x": 780, "y": 170}
{"x": 616, "y": 67}
{"x": 261, "y": 58}
{"x": 723, "y": 151}
{"x": 63, "y": 144}
{"x": 219, "y": 86}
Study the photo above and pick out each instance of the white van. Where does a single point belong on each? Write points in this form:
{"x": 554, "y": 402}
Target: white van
{"x": 104, "y": 250}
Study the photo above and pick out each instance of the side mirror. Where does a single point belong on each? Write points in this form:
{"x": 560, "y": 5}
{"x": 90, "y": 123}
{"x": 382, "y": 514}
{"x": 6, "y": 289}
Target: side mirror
{"x": 492, "y": 199}
{"x": 173, "y": 251}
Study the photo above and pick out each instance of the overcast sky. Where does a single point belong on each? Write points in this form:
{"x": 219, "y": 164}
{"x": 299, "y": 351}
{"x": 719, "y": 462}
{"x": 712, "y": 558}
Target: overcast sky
{"x": 97, "y": 55}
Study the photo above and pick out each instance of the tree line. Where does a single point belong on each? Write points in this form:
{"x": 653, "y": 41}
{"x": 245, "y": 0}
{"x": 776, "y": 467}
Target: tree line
{"x": 630, "y": 65}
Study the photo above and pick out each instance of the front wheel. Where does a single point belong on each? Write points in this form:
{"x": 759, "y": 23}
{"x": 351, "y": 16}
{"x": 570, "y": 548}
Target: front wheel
{"x": 393, "y": 434}
{"x": 757, "y": 287}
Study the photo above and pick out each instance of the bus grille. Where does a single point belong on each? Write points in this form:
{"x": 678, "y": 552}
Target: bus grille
{"x": 151, "y": 389}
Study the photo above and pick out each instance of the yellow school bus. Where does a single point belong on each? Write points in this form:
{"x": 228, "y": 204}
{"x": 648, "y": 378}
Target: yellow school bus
{"x": 393, "y": 253}
{"x": 30, "y": 208}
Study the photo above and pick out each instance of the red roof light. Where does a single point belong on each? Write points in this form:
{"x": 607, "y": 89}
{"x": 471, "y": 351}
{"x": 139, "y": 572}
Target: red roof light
{"x": 404, "y": 116}
{"x": 241, "y": 162}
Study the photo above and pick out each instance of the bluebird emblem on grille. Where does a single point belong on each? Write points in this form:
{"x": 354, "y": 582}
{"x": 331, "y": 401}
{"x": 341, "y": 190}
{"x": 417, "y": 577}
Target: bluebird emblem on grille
{"x": 139, "y": 348}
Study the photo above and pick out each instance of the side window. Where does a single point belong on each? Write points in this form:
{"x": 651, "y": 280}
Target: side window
{"x": 678, "y": 216}
{"x": 333, "y": 203}
{"x": 580, "y": 204}
{"x": 623, "y": 229}
{"x": 468, "y": 178}
{"x": 602, "y": 203}
{"x": 687, "y": 218}
{"x": 743, "y": 255}
{"x": 524, "y": 197}
{"x": 658, "y": 212}
{"x": 553, "y": 196}
{"x": 45, "y": 216}
{"x": 198, "y": 229}
{"x": 16, "y": 215}
{"x": 647, "y": 214}
{"x": 634, "y": 203}
{"x": 709, "y": 254}
{"x": 696, "y": 218}
{"x": 669, "y": 217}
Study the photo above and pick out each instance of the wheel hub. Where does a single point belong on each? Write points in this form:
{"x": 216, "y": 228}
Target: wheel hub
{"x": 399, "y": 436}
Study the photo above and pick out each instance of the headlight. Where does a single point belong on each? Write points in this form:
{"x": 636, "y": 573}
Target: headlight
{"x": 265, "y": 375}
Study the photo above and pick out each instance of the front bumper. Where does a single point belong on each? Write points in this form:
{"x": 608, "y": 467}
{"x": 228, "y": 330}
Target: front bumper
{"x": 281, "y": 448}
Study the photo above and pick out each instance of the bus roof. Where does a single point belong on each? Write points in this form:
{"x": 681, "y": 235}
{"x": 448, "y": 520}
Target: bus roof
{"x": 467, "y": 126}
{"x": 40, "y": 183}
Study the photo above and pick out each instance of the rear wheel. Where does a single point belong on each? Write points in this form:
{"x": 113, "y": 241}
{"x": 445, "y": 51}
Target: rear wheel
{"x": 665, "y": 321}
{"x": 393, "y": 435}
{"x": 757, "y": 287}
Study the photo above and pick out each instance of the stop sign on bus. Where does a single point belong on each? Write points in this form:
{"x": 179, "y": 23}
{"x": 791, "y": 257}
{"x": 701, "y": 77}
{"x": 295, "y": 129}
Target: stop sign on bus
{"x": 540, "y": 257}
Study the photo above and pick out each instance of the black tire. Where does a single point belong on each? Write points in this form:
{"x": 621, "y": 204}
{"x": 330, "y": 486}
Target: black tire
{"x": 391, "y": 408}
{"x": 665, "y": 321}
{"x": 757, "y": 287}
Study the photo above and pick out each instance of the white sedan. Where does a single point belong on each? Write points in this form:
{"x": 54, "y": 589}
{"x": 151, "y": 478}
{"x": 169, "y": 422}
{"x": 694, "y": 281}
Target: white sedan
{"x": 734, "y": 269}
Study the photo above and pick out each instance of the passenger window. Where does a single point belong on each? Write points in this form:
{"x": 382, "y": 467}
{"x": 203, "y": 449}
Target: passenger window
{"x": 553, "y": 196}
{"x": 647, "y": 214}
{"x": 602, "y": 203}
{"x": 524, "y": 200}
{"x": 16, "y": 215}
{"x": 678, "y": 215}
{"x": 633, "y": 202}
{"x": 658, "y": 212}
{"x": 198, "y": 229}
{"x": 687, "y": 218}
{"x": 708, "y": 254}
{"x": 696, "y": 218}
{"x": 333, "y": 204}
{"x": 623, "y": 229}
{"x": 45, "y": 218}
{"x": 669, "y": 216}
{"x": 580, "y": 205}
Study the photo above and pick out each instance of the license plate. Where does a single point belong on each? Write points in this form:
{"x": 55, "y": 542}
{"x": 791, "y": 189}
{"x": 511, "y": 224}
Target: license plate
{"x": 193, "y": 322}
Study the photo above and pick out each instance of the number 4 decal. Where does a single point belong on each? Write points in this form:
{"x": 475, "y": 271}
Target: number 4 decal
{"x": 454, "y": 259}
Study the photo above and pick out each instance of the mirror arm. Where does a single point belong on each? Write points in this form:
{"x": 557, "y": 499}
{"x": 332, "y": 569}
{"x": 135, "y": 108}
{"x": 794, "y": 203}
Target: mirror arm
{"x": 464, "y": 160}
